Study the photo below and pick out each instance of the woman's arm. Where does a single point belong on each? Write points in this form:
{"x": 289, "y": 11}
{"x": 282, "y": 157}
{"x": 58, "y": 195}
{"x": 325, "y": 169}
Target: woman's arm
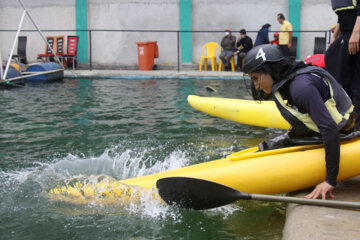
{"x": 306, "y": 96}
{"x": 336, "y": 34}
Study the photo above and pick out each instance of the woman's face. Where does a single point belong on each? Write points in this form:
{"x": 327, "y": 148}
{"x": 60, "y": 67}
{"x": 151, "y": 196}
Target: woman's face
{"x": 262, "y": 81}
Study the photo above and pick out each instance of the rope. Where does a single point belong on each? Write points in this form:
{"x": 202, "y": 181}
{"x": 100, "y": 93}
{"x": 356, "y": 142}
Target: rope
{"x": 10, "y": 83}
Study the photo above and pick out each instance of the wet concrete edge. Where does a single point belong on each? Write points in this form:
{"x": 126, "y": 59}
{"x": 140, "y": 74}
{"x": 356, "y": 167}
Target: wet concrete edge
{"x": 312, "y": 222}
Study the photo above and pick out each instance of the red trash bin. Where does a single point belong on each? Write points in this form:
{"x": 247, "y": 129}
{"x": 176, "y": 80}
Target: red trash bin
{"x": 147, "y": 51}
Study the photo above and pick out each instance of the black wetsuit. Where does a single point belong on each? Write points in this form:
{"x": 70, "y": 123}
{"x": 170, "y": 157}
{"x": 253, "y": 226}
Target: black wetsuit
{"x": 345, "y": 67}
{"x": 308, "y": 92}
{"x": 246, "y": 44}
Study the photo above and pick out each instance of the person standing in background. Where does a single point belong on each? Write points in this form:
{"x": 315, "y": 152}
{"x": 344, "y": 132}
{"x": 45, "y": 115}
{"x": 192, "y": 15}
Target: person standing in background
{"x": 285, "y": 36}
{"x": 263, "y": 35}
{"x": 228, "y": 48}
{"x": 342, "y": 58}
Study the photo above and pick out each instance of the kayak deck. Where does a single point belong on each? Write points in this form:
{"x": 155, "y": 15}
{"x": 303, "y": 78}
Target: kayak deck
{"x": 255, "y": 113}
{"x": 268, "y": 172}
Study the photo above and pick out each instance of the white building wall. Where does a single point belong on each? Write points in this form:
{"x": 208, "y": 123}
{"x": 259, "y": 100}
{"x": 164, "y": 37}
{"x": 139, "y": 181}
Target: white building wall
{"x": 315, "y": 15}
{"x": 46, "y": 13}
{"x": 120, "y": 49}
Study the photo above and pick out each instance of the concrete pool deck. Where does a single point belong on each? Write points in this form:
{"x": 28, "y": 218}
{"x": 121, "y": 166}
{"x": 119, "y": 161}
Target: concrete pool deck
{"x": 302, "y": 222}
{"x": 322, "y": 223}
{"x": 151, "y": 74}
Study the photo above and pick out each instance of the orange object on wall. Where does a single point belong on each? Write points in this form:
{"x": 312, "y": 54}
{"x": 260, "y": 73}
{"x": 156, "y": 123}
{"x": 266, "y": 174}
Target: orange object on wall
{"x": 147, "y": 51}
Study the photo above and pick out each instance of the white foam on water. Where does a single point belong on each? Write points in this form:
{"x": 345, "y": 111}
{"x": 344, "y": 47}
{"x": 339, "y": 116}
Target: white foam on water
{"x": 15, "y": 178}
{"x": 114, "y": 165}
{"x": 153, "y": 208}
{"x": 120, "y": 165}
{"x": 111, "y": 165}
{"x": 225, "y": 211}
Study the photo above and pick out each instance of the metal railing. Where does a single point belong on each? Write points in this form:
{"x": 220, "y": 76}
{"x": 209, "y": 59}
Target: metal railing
{"x": 326, "y": 33}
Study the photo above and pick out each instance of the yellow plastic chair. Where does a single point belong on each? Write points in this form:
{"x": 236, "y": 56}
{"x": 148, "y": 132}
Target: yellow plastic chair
{"x": 232, "y": 61}
{"x": 211, "y": 48}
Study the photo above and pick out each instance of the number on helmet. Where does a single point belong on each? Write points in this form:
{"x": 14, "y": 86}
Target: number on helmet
{"x": 261, "y": 54}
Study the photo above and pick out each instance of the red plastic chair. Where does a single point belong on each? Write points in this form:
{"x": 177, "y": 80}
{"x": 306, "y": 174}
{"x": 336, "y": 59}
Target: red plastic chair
{"x": 71, "y": 55}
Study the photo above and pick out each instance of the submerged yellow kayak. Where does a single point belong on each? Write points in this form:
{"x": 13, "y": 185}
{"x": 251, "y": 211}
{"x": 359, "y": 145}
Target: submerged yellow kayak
{"x": 250, "y": 171}
{"x": 255, "y": 113}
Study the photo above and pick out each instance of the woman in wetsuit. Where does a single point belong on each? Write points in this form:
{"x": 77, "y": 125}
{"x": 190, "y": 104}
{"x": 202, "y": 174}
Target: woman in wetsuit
{"x": 316, "y": 104}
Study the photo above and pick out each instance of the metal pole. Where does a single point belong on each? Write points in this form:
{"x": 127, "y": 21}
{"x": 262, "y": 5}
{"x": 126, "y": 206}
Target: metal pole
{"x": 178, "y": 50}
{"x": 1, "y": 66}
{"x": 325, "y": 39}
{"x": 14, "y": 44}
{"x": 90, "y": 57}
{"x": 48, "y": 45}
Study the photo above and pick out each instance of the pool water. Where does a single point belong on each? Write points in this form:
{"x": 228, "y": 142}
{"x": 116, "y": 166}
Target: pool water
{"x": 51, "y": 133}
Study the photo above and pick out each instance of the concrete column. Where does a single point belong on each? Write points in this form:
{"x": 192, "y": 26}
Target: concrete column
{"x": 185, "y": 24}
{"x": 82, "y": 24}
{"x": 295, "y": 20}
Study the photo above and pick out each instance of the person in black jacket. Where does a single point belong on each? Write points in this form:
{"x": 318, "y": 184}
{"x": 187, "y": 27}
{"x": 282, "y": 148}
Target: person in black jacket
{"x": 342, "y": 59}
{"x": 317, "y": 106}
{"x": 245, "y": 43}
{"x": 263, "y": 35}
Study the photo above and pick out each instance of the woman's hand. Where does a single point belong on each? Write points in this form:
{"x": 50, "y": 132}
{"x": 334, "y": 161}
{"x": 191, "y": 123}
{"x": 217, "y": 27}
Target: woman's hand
{"x": 322, "y": 189}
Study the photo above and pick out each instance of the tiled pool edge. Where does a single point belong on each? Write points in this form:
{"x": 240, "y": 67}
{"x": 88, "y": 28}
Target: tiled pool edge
{"x": 126, "y": 74}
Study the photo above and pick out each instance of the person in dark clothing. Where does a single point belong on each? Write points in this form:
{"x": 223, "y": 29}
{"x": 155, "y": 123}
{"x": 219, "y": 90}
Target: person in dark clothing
{"x": 228, "y": 48}
{"x": 245, "y": 43}
{"x": 263, "y": 35}
{"x": 311, "y": 94}
{"x": 342, "y": 59}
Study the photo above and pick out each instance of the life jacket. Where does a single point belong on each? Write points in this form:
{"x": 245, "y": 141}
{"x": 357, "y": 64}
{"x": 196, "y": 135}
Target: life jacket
{"x": 340, "y": 5}
{"x": 339, "y": 104}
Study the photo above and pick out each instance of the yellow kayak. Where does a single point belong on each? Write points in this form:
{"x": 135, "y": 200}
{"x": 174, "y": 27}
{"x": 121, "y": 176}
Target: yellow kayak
{"x": 255, "y": 113}
{"x": 269, "y": 172}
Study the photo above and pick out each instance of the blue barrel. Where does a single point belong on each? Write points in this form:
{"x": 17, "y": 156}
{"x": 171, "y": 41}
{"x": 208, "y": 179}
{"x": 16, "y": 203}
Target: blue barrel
{"x": 11, "y": 74}
{"x": 47, "y": 76}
